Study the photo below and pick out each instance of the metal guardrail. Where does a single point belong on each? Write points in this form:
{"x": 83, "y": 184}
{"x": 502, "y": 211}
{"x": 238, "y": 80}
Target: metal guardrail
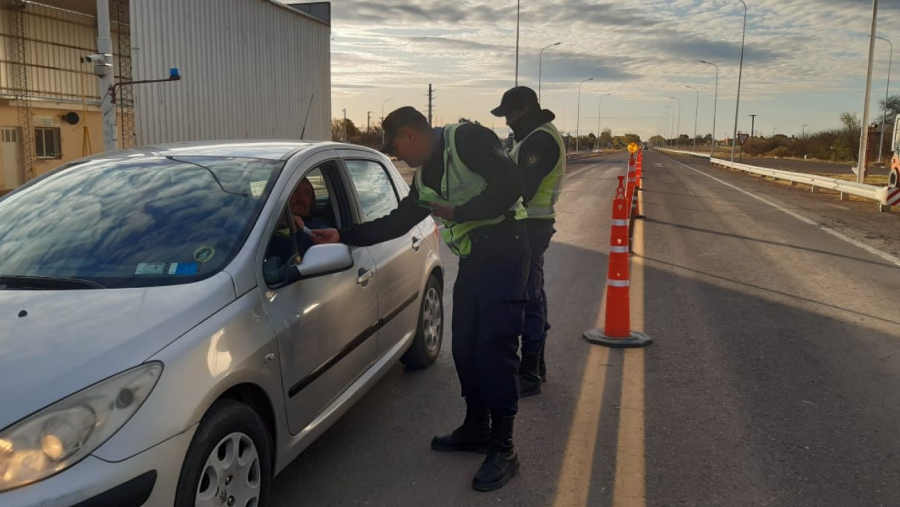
{"x": 581, "y": 154}
{"x": 877, "y": 194}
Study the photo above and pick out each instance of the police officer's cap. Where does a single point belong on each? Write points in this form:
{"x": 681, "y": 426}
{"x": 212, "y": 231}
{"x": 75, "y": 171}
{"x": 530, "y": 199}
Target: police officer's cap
{"x": 397, "y": 119}
{"x": 516, "y": 98}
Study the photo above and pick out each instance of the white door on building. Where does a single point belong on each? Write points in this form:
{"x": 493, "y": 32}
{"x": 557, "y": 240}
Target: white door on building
{"x": 11, "y": 169}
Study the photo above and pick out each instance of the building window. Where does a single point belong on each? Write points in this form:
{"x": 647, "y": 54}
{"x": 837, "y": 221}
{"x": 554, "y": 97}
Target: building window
{"x": 46, "y": 143}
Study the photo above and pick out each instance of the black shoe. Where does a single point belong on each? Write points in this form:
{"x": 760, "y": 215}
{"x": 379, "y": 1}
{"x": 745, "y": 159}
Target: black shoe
{"x": 502, "y": 462}
{"x": 529, "y": 375}
{"x": 473, "y": 436}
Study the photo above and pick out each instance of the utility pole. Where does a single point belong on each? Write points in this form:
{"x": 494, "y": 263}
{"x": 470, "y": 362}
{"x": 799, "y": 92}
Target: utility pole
{"x": 752, "y": 124}
{"x": 864, "y": 130}
{"x": 368, "y": 120}
{"x": 430, "y": 102}
{"x": 104, "y": 47}
{"x": 344, "y": 127}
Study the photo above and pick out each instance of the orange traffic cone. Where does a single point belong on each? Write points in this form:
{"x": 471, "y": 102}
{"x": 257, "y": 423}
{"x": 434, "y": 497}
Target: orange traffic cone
{"x": 640, "y": 169}
{"x": 617, "y": 326}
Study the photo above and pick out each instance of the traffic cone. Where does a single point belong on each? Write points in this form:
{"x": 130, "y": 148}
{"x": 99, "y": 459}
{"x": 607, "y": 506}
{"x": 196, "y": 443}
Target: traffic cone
{"x": 640, "y": 170}
{"x": 617, "y": 326}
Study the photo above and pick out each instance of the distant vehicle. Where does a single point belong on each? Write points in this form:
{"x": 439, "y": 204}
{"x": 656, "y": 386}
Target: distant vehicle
{"x": 164, "y": 343}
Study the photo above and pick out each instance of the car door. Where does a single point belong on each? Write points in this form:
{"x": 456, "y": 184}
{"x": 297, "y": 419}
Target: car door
{"x": 327, "y": 325}
{"x": 399, "y": 262}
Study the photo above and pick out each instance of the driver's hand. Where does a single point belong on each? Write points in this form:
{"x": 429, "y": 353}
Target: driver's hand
{"x": 324, "y": 236}
{"x": 298, "y": 221}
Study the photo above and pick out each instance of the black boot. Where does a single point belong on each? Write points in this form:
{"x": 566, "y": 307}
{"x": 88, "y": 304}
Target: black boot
{"x": 502, "y": 462}
{"x": 473, "y": 436}
{"x": 529, "y": 375}
{"x": 543, "y": 366}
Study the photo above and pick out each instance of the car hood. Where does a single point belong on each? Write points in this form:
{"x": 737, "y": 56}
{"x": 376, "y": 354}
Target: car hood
{"x": 71, "y": 339}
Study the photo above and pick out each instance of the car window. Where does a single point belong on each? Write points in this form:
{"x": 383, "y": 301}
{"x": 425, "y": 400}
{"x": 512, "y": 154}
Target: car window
{"x": 377, "y": 195}
{"x": 134, "y": 222}
{"x": 313, "y": 201}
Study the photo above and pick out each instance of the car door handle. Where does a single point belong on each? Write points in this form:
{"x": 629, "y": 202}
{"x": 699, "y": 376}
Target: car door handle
{"x": 417, "y": 243}
{"x": 364, "y": 276}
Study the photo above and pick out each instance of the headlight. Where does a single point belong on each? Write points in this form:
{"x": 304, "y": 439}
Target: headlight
{"x": 64, "y": 433}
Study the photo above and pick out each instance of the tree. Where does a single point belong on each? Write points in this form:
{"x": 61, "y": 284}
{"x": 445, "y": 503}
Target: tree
{"x": 850, "y": 121}
{"x": 606, "y": 137}
{"x": 466, "y": 120}
{"x": 343, "y": 130}
{"x": 891, "y": 108}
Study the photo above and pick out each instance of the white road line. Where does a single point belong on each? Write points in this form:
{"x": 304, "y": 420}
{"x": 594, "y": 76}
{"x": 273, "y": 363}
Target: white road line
{"x": 872, "y": 250}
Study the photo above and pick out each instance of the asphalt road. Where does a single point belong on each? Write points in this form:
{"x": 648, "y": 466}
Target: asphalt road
{"x": 772, "y": 380}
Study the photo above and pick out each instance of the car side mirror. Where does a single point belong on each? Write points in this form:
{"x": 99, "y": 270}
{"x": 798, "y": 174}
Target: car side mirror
{"x": 321, "y": 260}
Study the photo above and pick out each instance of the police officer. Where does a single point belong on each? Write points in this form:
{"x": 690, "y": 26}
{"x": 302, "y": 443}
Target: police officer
{"x": 466, "y": 178}
{"x": 539, "y": 151}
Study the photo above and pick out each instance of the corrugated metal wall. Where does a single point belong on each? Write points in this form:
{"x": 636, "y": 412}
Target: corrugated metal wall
{"x": 249, "y": 69}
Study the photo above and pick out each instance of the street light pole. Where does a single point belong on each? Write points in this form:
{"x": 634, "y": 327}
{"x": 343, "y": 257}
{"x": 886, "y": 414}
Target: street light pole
{"x": 382, "y": 117}
{"x": 773, "y": 132}
{"x": 737, "y": 105}
{"x": 803, "y": 131}
{"x": 668, "y": 128}
{"x": 678, "y": 129}
{"x": 540, "y": 57}
{"x": 712, "y": 143}
{"x": 578, "y": 117}
{"x": 864, "y": 130}
{"x": 518, "y": 3}
{"x": 886, "y": 90}
{"x": 696, "y": 107}
{"x": 598, "y": 117}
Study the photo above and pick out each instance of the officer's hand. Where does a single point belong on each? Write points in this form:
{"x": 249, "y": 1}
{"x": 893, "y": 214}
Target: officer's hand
{"x": 325, "y": 236}
{"x": 443, "y": 210}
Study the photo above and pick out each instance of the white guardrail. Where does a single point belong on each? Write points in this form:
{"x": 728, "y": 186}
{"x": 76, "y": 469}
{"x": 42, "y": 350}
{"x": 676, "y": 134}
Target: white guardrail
{"x": 877, "y": 194}
{"x": 581, "y": 154}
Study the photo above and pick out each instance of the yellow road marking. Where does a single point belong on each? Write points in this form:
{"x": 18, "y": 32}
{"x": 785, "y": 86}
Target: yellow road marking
{"x": 630, "y": 481}
{"x": 575, "y": 479}
{"x": 574, "y": 485}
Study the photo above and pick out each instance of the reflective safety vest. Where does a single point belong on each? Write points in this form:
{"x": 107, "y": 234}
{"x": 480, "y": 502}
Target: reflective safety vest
{"x": 541, "y": 204}
{"x": 458, "y": 186}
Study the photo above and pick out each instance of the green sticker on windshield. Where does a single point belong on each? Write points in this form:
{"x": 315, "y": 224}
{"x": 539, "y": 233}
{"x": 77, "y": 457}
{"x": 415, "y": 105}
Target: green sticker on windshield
{"x": 204, "y": 254}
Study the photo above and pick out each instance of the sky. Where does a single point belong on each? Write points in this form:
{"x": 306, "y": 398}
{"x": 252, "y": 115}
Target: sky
{"x": 805, "y": 61}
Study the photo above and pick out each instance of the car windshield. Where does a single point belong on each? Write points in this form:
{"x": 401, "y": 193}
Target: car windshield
{"x": 132, "y": 222}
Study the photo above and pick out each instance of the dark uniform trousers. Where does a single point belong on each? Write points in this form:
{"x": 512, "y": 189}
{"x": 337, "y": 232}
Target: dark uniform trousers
{"x": 489, "y": 312}
{"x": 540, "y": 232}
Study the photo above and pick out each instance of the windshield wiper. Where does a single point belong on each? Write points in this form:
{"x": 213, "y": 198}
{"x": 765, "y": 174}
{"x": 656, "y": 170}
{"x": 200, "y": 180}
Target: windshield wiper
{"x": 46, "y": 282}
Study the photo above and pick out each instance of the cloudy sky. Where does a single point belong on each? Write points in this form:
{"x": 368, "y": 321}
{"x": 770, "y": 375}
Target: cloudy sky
{"x": 804, "y": 60}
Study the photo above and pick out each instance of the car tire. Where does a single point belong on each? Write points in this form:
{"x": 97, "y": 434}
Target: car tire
{"x": 230, "y": 457}
{"x": 429, "y": 330}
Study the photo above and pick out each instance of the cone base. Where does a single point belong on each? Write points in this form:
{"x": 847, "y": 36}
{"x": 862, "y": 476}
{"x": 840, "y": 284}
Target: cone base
{"x": 637, "y": 339}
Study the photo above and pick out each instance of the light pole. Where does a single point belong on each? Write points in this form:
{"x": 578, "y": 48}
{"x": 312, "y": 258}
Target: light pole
{"x": 382, "y": 117}
{"x": 737, "y": 105}
{"x": 540, "y": 57}
{"x": 773, "y": 132}
{"x": 696, "y": 107}
{"x": 864, "y": 130}
{"x": 598, "y": 117}
{"x": 886, "y": 90}
{"x": 803, "y": 130}
{"x": 678, "y": 128}
{"x": 578, "y": 117}
{"x": 712, "y": 142}
{"x": 668, "y": 129}
{"x": 518, "y": 3}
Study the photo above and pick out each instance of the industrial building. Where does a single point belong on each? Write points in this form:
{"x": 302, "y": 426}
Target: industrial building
{"x": 248, "y": 69}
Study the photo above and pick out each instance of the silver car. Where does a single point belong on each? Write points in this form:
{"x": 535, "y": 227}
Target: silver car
{"x": 168, "y": 335}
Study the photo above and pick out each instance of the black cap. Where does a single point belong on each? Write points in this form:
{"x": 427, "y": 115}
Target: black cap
{"x": 516, "y": 98}
{"x": 396, "y": 120}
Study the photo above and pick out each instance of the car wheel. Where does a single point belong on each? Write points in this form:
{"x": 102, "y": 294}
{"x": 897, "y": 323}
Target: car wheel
{"x": 229, "y": 460}
{"x": 430, "y": 329}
